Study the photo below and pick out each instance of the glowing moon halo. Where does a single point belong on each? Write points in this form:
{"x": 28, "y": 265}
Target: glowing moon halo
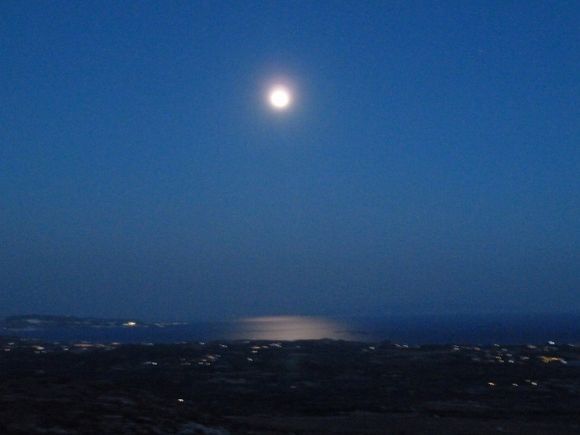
{"x": 280, "y": 98}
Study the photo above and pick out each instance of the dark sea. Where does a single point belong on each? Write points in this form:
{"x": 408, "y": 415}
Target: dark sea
{"x": 411, "y": 330}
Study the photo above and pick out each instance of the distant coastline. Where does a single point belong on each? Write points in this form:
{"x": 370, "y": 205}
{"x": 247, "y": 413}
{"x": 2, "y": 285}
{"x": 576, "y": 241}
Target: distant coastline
{"x": 460, "y": 329}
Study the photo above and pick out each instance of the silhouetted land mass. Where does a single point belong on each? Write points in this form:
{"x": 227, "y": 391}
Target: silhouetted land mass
{"x": 43, "y": 321}
{"x": 299, "y": 387}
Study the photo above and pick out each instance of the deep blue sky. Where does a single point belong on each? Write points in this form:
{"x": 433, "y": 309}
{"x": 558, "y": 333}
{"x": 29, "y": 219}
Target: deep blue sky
{"x": 430, "y": 163}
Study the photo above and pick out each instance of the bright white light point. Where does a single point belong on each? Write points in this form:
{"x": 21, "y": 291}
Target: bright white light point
{"x": 279, "y": 98}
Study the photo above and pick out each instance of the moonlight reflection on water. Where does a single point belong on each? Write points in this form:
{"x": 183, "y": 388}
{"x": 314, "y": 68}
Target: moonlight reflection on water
{"x": 289, "y": 328}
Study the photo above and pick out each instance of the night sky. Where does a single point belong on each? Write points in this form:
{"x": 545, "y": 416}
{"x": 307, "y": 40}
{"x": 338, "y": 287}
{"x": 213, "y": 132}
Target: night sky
{"x": 429, "y": 162}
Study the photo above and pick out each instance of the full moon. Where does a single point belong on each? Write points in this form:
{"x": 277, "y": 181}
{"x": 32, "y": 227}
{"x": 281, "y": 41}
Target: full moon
{"x": 279, "y": 98}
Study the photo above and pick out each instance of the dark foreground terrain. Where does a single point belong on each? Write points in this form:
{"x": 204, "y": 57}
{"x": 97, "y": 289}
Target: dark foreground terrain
{"x": 304, "y": 387}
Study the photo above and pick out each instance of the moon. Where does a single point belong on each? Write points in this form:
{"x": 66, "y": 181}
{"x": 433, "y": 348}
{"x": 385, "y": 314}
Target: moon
{"x": 280, "y": 98}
